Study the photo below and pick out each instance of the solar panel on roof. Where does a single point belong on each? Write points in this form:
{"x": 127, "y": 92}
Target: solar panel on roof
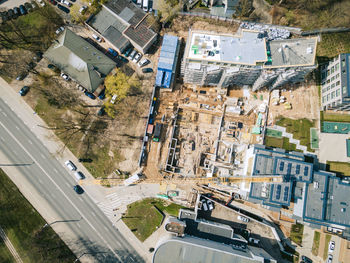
{"x": 289, "y": 168}
{"x": 285, "y": 197}
{"x": 297, "y": 169}
{"x": 306, "y": 170}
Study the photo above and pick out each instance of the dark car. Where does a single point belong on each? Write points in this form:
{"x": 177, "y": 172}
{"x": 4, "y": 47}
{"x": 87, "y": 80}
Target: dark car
{"x": 24, "y": 90}
{"x": 127, "y": 52}
{"x": 28, "y": 6}
{"x": 38, "y": 56}
{"x": 16, "y": 11}
{"x": 10, "y": 14}
{"x": 31, "y": 65}
{"x": 90, "y": 95}
{"x": 147, "y": 70}
{"x": 113, "y": 52}
{"x": 21, "y": 76}
{"x": 85, "y": 160}
{"x": 4, "y": 16}
{"x": 101, "y": 111}
{"x": 102, "y": 95}
{"x": 123, "y": 59}
{"x": 78, "y": 189}
{"x": 54, "y": 2}
{"x": 63, "y": 8}
{"x": 306, "y": 259}
{"x": 22, "y": 10}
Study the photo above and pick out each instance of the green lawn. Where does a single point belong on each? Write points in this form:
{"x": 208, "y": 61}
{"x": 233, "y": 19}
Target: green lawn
{"x": 341, "y": 168}
{"x": 280, "y": 143}
{"x": 314, "y": 138}
{"x": 296, "y": 233}
{"x": 299, "y": 128}
{"x": 23, "y": 224}
{"x": 316, "y": 243}
{"x": 326, "y": 243}
{"x": 143, "y": 217}
{"x": 335, "y": 117}
{"x": 5, "y": 255}
{"x": 333, "y": 44}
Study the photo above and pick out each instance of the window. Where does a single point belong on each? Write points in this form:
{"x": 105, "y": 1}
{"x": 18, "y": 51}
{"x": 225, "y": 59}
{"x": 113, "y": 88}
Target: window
{"x": 333, "y": 94}
{"x": 323, "y": 99}
{"x": 328, "y": 81}
{"x": 343, "y": 62}
{"x": 333, "y": 85}
{"x": 337, "y": 66}
{"x": 338, "y": 83}
{"x": 338, "y": 92}
{"x": 337, "y": 76}
{"x": 328, "y": 72}
{"x": 328, "y": 87}
{"x": 344, "y": 89}
{"x": 332, "y": 78}
{"x": 327, "y": 97}
{"x": 332, "y": 70}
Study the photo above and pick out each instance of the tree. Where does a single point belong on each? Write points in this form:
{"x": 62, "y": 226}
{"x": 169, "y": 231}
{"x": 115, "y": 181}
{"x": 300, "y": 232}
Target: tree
{"x": 168, "y": 9}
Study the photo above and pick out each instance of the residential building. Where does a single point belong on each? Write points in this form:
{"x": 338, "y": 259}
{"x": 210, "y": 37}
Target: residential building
{"x": 167, "y": 62}
{"x": 222, "y": 8}
{"x": 335, "y": 87}
{"x": 303, "y": 193}
{"x": 121, "y": 23}
{"x": 247, "y": 58}
{"x": 80, "y": 60}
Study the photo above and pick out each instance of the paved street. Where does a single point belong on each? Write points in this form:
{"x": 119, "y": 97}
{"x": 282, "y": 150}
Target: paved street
{"x": 90, "y": 231}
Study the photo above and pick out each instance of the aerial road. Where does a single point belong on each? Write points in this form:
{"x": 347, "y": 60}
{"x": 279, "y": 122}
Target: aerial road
{"x": 90, "y": 235}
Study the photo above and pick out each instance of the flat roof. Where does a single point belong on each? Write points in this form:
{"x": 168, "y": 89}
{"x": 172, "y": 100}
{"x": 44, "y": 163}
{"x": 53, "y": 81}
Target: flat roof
{"x": 196, "y": 250}
{"x": 281, "y": 193}
{"x": 293, "y": 169}
{"x": 292, "y": 52}
{"x": 248, "y": 48}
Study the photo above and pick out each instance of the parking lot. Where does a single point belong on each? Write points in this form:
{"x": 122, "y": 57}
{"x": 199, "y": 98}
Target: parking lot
{"x": 7, "y": 4}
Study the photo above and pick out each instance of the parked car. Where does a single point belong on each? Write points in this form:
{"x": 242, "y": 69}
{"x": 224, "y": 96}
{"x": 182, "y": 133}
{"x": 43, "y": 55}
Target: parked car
{"x": 329, "y": 259}
{"x": 79, "y": 175}
{"x": 21, "y": 76}
{"x": 22, "y": 10}
{"x": 16, "y": 11}
{"x": 63, "y": 8}
{"x": 4, "y": 16}
{"x": 78, "y": 189}
{"x": 97, "y": 38}
{"x": 41, "y": 2}
{"x": 59, "y": 30}
{"x": 331, "y": 247}
{"x": 85, "y": 160}
{"x": 306, "y": 259}
{"x": 11, "y": 14}
{"x": 65, "y": 76}
{"x": 143, "y": 62}
{"x": 67, "y": 3}
{"x": 125, "y": 60}
{"x": 71, "y": 166}
{"x": 137, "y": 57}
{"x": 24, "y": 90}
{"x": 31, "y": 65}
{"x": 205, "y": 206}
{"x": 112, "y": 52}
{"x": 102, "y": 95}
{"x": 82, "y": 9}
{"x": 90, "y": 95}
{"x": 114, "y": 98}
{"x": 132, "y": 55}
{"x": 101, "y": 111}
{"x": 54, "y": 2}
{"x": 254, "y": 241}
{"x": 127, "y": 52}
{"x": 28, "y": 6}
{"x": 242, "y": 218}
{"x": 147, "y": 70}
{"x": 38, "y": 56}
{"x": 210, "y": 205}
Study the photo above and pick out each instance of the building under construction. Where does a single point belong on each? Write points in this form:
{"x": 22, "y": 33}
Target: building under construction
{"x": 247, "y": 58}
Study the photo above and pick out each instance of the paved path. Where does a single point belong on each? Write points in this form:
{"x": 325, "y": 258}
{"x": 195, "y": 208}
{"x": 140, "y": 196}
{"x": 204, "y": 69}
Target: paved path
{"x": 10, "y": 246}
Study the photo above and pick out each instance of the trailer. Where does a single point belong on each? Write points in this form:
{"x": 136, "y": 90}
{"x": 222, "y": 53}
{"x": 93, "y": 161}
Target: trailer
{"x": 157, "y": 132}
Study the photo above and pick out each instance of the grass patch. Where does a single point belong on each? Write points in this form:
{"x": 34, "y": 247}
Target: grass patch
{"x": 23, "y": 226}
{"x": 325, "y": 116}
{"x": 143, "y": 217}
{"x": 333, "y": 44}
{"x": 296, "y": 234}
{"x": 340, "y": 168}
{"x": 5, "y": 255}
{"x": 316, "y": 243}
{"x": 326, "y": 242}
{"x": 280, "y": 143}
{"x": 299, "y": 128}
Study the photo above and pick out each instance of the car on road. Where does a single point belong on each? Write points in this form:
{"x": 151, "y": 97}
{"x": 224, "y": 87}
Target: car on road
{"x": 65, "y": 76}
{"x": 306, "y": 259}
{"x": 97, "y": 38}
{"x": 243, "y": 218}
{"x": 112, "y": 52}
{"x": 79, "y": 175}
{"x": 147, "y": 70}
{"x": 67, "y": 3}
{"x": 143, "y": 62}
{"x": 90, "y": 95}
{"x": 71, "y": 166}
{"x": 331, "y": 247}
{"x": 63, "y": 8}
{"x": 24, "y": 90}
{"x": 210, "y": 205}
{"x": 82, "y": 9}
{"x": 329, "y": 258}
{"x": 21, "y": 76}
{"x": 78, "y": 189}
{"x": 137, "y": 58}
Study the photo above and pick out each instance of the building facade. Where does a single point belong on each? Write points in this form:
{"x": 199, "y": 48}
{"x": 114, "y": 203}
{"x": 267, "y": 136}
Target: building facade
{"x": 335, "y": 83}
{"x": 246, "y": 58}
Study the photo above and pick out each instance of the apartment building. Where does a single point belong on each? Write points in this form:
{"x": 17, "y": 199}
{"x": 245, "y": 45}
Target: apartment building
{"x": 247, "y": 58}
{"x": 335, "y": 87}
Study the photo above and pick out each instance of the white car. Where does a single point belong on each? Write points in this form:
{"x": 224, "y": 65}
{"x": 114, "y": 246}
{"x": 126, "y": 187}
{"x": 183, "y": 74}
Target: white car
{"x": 65, "y": 76}
{"x": 82, "y": 9}
{"x": 70, "y": 165}
{"x": 210, "y": 205}
{"x": 329, "y": 259}
{"x": 331, "y": 247}
{"x": 143, "y": 62}
{"x": 67, "y": 3}
{"x": 244, "y": 219}
{"x": 59, "y": 30}
{"x": 137, "y": 58}
{"x": 114, "y": 98}
{"x": 97, "y": 38}
{"x": 41, "y": 2}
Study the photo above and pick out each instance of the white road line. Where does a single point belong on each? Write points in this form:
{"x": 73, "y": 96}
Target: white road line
{"x": 55, "y": 170}
{"x": 4, "y": 114}
{"x": 40, "y": 181}
{"x": 2, "y": 138}
{"x": 78, "y": 225}
{"x": 30, "y": 142}
{"x": 67, "y": 184}
{"x": 14, "y": 152}
{"x": 17, "y": 127}
{"x": 43, "y": 156}
{"x": 57, "y": 186}
{"x": 106, "y": 228}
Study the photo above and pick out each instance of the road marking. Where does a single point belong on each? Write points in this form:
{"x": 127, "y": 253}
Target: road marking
{"x": 63, "y": 193}
{"x": 30, "y": 142}
{"x": 17, "y": 128}
{"x": 40, "y": 181}
{"x": 14, "y": 152}
{"x": 78, "y": 225}
{"x": 93, "y": 213}
{"x": 2, "y": 138}
{"x": 4, "y": 114}
{"x": 67, "y": 184}
{"x": 43, "y": 156}
{"x": 55, "y": 170}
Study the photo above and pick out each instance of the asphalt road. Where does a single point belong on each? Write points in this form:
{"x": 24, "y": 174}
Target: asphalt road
{"x": 93, "y": 232}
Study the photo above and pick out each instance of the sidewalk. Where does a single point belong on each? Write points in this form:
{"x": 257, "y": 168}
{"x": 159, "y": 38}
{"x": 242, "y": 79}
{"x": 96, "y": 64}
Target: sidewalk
{"x": 308, "y": 239}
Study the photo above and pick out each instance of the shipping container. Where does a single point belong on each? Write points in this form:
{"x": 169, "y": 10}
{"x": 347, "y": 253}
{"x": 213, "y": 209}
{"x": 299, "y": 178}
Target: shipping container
{"x": 157, "y": 132}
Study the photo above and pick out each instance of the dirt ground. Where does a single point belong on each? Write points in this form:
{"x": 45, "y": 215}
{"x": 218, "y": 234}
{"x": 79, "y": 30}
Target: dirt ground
{"x": 304, "y": 101}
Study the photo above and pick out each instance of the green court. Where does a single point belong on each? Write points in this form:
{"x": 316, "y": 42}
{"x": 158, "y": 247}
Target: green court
{"x": 314, "y": 138}
{"x": 273, "y": 133}
{"x": 336, "y": 127}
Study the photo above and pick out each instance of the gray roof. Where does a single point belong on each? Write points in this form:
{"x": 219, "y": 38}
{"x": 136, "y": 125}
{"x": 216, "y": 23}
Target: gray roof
{"x": 80, "y": 60}
{"x": 292, "y": 52}
{"x": 215, "y": 229}
{"x": 110, "y": 27}
{"x": 196, "y": 250}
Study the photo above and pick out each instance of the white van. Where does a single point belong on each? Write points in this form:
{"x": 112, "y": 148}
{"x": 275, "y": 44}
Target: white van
{"x": 145, "y": 5}
{"x": 204, "y": 205}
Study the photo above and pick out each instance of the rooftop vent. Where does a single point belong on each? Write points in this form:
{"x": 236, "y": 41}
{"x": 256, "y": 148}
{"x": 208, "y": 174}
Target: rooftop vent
{"x": 309, "y": 50}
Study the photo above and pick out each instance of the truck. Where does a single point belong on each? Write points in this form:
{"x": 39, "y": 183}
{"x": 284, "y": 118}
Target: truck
{"x": 157, "y": 132}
